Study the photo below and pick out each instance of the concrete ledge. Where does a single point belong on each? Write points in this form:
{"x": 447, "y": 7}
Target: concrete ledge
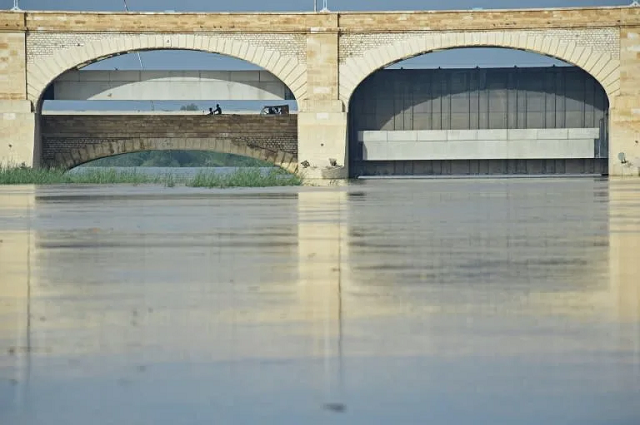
{"x": 431, "y": 135}
{"x": 463, "y": 150}
{"x": 375, "y": 150}
{"x": 478, "y": 135}
{"x": 478, "y": 144}
{"x": 553, "y": 133}
{"x": 584, "y": 133}
{"x": 522, "y": 134}
{"x": 402, "y": 136}
{"x": 462, "y": 134}
{"x": 492, "y": 134}
{"x": 373, "y": 136}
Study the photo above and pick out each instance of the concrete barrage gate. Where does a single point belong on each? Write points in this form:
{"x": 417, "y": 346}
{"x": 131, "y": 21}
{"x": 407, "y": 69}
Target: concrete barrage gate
{"x": 321, "y": 57}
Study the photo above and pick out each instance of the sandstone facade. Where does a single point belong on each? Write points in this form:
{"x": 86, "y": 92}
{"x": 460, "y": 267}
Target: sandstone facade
{"x": 322, "y": 57}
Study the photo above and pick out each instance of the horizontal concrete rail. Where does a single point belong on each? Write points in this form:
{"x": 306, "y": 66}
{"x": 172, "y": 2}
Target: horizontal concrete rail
{"x": 479, "y": 144}
{"x": 68, "y": 141}
{"x": 168, "y": 85}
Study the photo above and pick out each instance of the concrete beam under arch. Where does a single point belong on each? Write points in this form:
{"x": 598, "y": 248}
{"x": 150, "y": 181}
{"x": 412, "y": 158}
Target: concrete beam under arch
{"x": 168, "y": 85}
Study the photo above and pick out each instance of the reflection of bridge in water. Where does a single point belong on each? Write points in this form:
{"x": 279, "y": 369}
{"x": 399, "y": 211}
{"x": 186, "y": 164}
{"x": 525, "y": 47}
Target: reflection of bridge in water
{"x": 341, "y": 259}
{"x": 328, "y": 278}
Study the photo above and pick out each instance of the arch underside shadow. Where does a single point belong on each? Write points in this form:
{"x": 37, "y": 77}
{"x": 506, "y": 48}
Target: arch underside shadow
{"x": 43, "y": 71}
{"x": 106, "y": 148}
{"x": 604, "y": 68}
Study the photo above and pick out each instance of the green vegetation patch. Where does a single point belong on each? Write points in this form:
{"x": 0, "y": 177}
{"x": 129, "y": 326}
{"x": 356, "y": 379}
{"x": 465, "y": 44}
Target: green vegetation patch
{"x": 25, "y": 175}
{"x": 239, "y": 178}
{"x": 245, "y": 178}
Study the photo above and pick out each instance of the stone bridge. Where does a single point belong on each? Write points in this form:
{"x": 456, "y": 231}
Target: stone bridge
{"x": 71, "y": 140}
{"x": 321, "y": 57}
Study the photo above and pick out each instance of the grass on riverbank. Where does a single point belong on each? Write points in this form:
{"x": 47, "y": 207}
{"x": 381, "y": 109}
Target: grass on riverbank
{"x": 245, "y": 178}
{"x": 210, "y": 179}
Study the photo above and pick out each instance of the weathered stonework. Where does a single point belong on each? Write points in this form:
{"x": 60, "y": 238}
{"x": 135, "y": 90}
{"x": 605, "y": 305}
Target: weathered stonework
{"x": 624, "y": 125}
{"x": 43, "y": 45}
{"x": 594, "y": 50}
{"x": 321, "y": 57}
{"x": 603, "y": 40}
{"x": 68, "y": 141}
{"x": 49, "y": 55}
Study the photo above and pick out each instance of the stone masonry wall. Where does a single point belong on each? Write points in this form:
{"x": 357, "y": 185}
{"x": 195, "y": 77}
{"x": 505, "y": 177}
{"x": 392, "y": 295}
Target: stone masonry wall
{"x": 604, "y": 40}
{"x": 42, "y": 45}
{"x": 595, "y": 50}
{"x": 51, "y": 54}
{"x": 12, "y": 66}
{"x": 264, "y": 137}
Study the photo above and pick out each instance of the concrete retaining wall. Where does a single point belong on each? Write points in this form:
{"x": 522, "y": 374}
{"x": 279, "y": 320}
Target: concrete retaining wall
{"x": 479, "y": 144}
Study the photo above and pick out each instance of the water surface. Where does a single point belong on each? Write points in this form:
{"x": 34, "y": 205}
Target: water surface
{"x": 404, "y": 301}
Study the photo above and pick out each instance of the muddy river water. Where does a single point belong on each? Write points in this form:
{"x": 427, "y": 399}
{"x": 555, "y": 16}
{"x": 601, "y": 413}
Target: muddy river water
{"x": 403, "y": 301}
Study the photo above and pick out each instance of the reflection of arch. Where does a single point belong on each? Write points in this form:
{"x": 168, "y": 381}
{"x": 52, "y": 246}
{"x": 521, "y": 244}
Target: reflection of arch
{"x": 90, "y": 152}
{"x": 43, "y": 71}
{"x": 600, "y": 65}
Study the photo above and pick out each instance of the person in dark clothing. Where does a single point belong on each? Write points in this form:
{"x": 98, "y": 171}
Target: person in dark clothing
{"x": 218, "y": 110}
{"x": 210, "y": 111}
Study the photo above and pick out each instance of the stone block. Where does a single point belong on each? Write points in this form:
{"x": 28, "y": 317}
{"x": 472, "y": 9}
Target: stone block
{"x": 15, "y": 106}
{"x": 17, "y": 131}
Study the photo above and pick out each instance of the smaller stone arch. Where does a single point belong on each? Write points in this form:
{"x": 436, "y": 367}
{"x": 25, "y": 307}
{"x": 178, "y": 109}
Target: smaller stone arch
{"x": 43, "y": 70}
{"x": 89, "y": 152}
{"x": 604, "y": 68}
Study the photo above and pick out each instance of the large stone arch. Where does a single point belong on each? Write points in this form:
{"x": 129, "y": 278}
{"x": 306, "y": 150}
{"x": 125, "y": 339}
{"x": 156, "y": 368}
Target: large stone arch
{"x": 42, "y": 70}
{"x": 106, "y": 148}
{"x": 601, "y": 65}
